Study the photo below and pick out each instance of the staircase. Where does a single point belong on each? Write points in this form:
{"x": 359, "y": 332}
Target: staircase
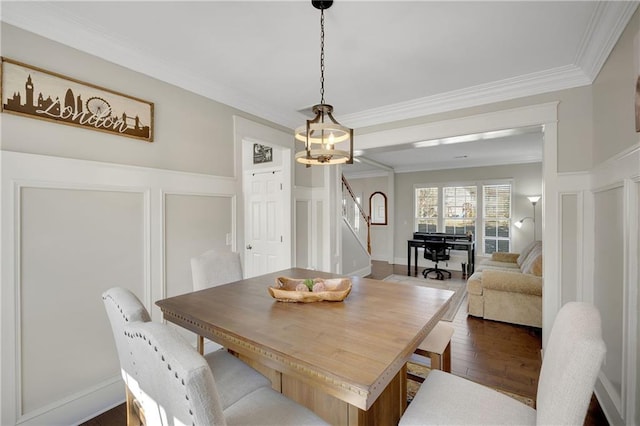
{"x": 356, "y": 234}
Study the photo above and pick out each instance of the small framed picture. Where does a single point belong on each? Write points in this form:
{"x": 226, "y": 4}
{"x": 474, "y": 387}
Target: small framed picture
{"x": 262, "y": 154}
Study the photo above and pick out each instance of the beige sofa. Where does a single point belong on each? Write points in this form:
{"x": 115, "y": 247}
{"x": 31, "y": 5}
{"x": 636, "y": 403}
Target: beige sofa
{"x": 508, "y": 287}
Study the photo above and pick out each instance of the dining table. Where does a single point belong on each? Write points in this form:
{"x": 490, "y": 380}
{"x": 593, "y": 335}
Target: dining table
{"x": 345, "y": 360}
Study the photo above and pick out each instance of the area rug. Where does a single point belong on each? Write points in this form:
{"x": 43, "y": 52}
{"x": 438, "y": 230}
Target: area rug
{"x": 458, "y": 286}
{"x": 422, "y": 371}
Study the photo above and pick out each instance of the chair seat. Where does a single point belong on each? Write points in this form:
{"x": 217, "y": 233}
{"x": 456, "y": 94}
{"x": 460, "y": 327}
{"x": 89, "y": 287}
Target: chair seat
{"x": 445, "y": 399}
{"x": 268, "y": 407}
{"x": 437, "y": 340}
{"x": 234, "y": 378}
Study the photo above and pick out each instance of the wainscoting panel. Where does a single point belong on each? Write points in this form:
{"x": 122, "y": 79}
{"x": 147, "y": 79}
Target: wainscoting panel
{"x": 193, "y": 225}
{"x": 70, "y": 230}
{"x": 310, "y": 239}
{"x": 569, "y": 250}
{"x": 609, "y": 280}
{"x": 302, "y": 243}
{"x": 611, "y": 216}
{"x": 75, "y": 244}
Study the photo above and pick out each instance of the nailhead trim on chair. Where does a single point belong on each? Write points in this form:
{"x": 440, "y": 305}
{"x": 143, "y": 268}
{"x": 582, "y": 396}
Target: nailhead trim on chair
{"x": 117, "y": 306}
{"x": 130, "y": 335}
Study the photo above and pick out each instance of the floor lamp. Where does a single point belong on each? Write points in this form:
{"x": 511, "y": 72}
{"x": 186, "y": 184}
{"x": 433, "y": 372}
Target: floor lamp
{"x": 534, "y": 199}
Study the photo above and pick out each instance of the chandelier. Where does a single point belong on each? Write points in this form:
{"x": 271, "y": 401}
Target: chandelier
{"x": 321, "y": 134}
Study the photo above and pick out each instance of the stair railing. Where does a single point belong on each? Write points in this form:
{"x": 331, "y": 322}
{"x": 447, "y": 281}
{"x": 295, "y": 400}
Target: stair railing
{"x": 353, "y": 212}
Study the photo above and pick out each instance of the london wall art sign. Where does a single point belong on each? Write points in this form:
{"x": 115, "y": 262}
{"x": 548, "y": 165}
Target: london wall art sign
{"x": 36, "y": 93}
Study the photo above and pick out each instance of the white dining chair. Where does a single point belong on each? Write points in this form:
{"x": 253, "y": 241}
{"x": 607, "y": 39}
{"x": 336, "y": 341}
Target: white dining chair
{"x": 123, "y": 307}
{"x": 179, "y": 388}
{"x": 570, "y": 366}
{"x": 235, "y": 378}
{"x": 213, "y": 268}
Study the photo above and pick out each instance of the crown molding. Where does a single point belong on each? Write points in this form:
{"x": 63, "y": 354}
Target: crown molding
{"x": 458, "y": 165}
{"x": 605, "y": 28}
{"x": 526, "y": 85}
{"x": 607, "y": 23}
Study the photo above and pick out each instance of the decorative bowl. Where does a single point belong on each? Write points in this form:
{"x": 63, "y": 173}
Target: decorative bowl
{"x": 331, "y": 289}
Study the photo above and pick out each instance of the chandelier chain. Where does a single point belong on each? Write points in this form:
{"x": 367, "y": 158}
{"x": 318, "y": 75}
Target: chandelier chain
{"x": 322, "y": 56}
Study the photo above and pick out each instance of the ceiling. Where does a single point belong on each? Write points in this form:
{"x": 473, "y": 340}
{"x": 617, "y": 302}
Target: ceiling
{"x": 384, "y": 60}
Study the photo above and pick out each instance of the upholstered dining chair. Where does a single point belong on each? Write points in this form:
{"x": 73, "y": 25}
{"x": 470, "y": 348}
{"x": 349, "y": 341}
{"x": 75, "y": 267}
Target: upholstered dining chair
{"x": 570, "y": 366}
{"x": 179, "y": 388}
{"x": 213, "y": 268}
{"x": 124, "y": 307}
{"x": 234, "y": 378}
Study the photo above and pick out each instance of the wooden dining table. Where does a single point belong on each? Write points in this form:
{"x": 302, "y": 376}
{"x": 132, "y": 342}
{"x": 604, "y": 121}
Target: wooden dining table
{"x": 345, "y": 360}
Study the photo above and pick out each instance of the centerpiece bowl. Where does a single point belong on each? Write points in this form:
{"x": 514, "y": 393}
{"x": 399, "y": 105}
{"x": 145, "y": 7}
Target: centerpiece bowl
{"x": 310, "y": 290}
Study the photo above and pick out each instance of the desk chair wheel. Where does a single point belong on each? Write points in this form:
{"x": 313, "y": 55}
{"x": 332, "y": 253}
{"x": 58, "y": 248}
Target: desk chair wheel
{"x": 439, "y": 273}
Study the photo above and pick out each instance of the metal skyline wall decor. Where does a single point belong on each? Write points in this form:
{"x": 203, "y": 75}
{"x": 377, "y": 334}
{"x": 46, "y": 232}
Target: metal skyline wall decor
{"x": 36, "y": 93}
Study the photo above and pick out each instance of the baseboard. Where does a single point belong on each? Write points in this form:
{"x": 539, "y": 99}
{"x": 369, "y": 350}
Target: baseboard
{"x": 360, "y": 272}
{"x": 608, "y": 405}
{"x": 78, "y": 408}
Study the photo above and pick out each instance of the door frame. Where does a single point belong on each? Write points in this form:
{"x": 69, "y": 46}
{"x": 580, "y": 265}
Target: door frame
{"x": 247, "y": 132}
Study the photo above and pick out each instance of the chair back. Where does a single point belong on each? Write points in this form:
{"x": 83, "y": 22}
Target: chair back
{"x": 123, "y": 307}
{"x": 436, "y": 250}
{"x": 177, "y": 383}
{"x": 215, "y": 267}
{"x": 570, "y": 366}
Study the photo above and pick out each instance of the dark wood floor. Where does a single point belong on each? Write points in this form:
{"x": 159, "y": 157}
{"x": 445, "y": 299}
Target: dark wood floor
{"x": 492, "y": 353}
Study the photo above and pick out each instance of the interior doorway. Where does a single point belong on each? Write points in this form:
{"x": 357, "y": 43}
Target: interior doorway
{"x": 267, "y": 230}
{"x": 264, "y": 227}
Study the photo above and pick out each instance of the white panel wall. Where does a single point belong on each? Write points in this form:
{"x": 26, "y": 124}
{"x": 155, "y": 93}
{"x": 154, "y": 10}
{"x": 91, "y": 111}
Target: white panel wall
{"x": 609, "y": 232}
{"x": 72, "y": 229}
{"x": 568, "y": 251}
{"x": 74, "y": 245}
{"x": 193, "y": 225}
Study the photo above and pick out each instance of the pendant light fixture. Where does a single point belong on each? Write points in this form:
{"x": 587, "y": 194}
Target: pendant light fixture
{"x": 321, "y": 134}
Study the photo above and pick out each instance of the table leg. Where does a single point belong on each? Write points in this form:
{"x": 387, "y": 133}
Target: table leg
{"x": 415, "y": 260}
{"x": 409, "y": 259}
{"x": 472, "y": 259}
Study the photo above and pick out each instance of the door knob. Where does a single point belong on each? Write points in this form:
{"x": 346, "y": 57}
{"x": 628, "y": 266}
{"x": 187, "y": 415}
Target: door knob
{"x": 249, "y": 247}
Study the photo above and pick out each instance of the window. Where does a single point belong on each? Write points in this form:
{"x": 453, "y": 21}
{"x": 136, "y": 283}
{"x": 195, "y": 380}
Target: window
{"x": 496, "y": 218}
{"x": 427, "y": 209}
{"x": 460, "y": 207}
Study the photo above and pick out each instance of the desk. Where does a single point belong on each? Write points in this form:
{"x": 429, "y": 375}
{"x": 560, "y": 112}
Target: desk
{"x": 468, "y": 246}
{"x": 344, "y": 360}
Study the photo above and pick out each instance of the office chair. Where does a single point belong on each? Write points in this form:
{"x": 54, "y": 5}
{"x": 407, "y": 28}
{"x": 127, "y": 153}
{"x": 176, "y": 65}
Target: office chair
{"x": 436, "y": 250}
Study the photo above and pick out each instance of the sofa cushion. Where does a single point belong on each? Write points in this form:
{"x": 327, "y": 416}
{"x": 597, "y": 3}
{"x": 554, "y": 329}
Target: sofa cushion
{"x": 534, "y": 256}
{"x": 513, "y": 282}
{"x": 505, "y": 257}
{"x": 525, "y": 252}
{"x": 536, "y": 267}
{"x": 494, "y": 264}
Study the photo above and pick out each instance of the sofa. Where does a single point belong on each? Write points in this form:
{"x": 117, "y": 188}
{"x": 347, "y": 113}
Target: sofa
{"x": 508, "y": 287}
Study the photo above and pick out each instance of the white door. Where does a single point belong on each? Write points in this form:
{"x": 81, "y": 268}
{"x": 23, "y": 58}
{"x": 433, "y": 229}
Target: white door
{"x": 264, "y": 245}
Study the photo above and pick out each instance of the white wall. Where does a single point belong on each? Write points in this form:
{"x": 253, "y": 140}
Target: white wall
{"x": 381, "y": 235}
